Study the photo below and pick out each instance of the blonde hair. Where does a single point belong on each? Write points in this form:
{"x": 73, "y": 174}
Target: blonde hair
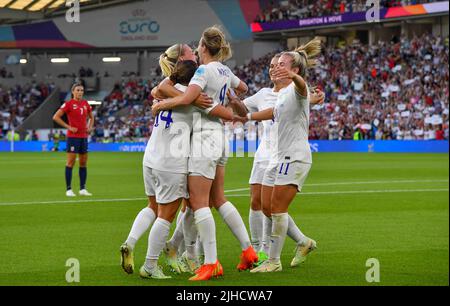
{"x": 215, "y": 42}
{"x": 304, "y": 56}
{"x": 169, "y": 59}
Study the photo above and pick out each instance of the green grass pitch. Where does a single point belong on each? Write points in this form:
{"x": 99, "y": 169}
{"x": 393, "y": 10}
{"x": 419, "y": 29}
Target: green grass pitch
{"x": 392, "y": 207}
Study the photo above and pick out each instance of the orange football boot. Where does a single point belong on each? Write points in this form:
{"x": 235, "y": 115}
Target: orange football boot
{"x": 208, "y": 271}
{"x": 248, "y": 258}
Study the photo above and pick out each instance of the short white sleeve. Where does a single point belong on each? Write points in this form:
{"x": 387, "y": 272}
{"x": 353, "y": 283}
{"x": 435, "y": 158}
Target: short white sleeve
{"x": 200, "y": 77}
{"x": 235, "y": 81}
{"x": 252, "y": 102}
{"x": 207, "y": 110}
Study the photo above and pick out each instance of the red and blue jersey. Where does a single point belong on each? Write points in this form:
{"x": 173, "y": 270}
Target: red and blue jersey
{"x": 77, "y": 113}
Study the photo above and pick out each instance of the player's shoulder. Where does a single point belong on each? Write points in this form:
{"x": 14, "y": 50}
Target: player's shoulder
{"x": 264, "y": 91}
{"x": 67, "y": 104}
{"x": 201, "y": 70}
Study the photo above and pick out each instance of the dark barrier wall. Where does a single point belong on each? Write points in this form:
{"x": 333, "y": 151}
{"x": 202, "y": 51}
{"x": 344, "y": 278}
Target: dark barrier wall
{"x": 42, "y": 117}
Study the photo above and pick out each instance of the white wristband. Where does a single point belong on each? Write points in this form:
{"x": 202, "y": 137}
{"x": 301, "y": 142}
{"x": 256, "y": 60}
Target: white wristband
{"x": 249, "y": 116}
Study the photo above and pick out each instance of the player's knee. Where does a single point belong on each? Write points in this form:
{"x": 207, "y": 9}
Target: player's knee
{"x": 216, "y": 201}
{"x": 278, "y": 206}
{"x": 256, "y": 202}
{"x": 167, "y": 215}
{"x": 267, "y": 211}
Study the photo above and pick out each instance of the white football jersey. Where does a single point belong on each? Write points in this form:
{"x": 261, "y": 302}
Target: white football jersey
{"x": 263, "y": 99}
{"x": 169, "y": 145}
{"x": 292, "y": 123}
{"x": 208, "y": 132}
{"x": 215, "y": 79}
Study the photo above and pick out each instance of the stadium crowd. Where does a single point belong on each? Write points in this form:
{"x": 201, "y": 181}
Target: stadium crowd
{"x": 18, "y": 102}
{"x": 300, "y": 9}
{"x": 385, "y": 91}
{"x": 391, "y": 90}
{"x": 125, "y": 114}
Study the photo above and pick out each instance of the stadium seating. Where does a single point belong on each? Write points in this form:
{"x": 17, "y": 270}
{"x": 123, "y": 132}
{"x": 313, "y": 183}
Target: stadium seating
{"x": 385, "y": 91}
{"x": 299, "y": 9}
{"x": 125, "y": 113}
{"x": 18, "y": 102}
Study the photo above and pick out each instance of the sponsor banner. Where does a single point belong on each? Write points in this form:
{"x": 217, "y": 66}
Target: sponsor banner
{"x": 240, "y": 146}
{"x": 395, "y": 12}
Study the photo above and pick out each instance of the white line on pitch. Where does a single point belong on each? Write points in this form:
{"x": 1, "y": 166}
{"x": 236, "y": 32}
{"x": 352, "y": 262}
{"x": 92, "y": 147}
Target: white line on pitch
{"x": 73, "y": 201}
{"x": 356, "y": 192}
{"x": 230, "y": 195}
{"x": 358, "y": 183}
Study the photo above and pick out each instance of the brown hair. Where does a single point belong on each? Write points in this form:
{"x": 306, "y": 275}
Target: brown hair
{"x": 183, "y": 73}
{"x": 215, "y": 42}
{"x": 75, "y": 85}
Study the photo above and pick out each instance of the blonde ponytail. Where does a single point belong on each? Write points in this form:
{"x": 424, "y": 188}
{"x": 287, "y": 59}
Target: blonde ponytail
{"x": 310, "y": 50}
{"x": 168, "y": 60}
{"x": 304, "y": 56}
{"x": 215, "y": 42}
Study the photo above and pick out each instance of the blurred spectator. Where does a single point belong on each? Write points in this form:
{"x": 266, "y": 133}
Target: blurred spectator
{"x": 5, "y": 74}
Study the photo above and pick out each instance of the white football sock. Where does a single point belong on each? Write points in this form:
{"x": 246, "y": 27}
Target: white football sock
{"x": 141, "y": 224}
{"x": 177, "y": 236}
{"x": 295, "y": 233}
{"x": 199, "y": 246}
{"x": 156, "y": 242}
{"x": 235, "y": 223}
{"x": 256, "y": 218}
{"x": 190, "y": 233}
{"x": 280, "y": 224}
{"x": 207, "y": 231}
{"x": 267, "y": 231}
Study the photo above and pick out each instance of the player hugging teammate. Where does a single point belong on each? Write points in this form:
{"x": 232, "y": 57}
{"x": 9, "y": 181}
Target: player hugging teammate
{"x": 191, "y": 112}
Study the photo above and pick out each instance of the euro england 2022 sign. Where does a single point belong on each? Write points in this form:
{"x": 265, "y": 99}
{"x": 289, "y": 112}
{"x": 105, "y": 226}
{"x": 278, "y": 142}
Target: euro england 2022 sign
{"x": 139, "y": 27}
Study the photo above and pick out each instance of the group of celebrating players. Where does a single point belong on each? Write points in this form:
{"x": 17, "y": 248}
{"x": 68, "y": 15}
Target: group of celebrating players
{"x": 185, "y": 159}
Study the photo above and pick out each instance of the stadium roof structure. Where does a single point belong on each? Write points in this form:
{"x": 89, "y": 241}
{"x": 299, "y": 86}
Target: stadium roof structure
{"x": 19, "y": 11}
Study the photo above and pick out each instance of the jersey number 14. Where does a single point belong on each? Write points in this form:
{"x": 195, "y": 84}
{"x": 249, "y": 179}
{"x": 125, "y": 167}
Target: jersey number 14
{"x": 165, "y": 116}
